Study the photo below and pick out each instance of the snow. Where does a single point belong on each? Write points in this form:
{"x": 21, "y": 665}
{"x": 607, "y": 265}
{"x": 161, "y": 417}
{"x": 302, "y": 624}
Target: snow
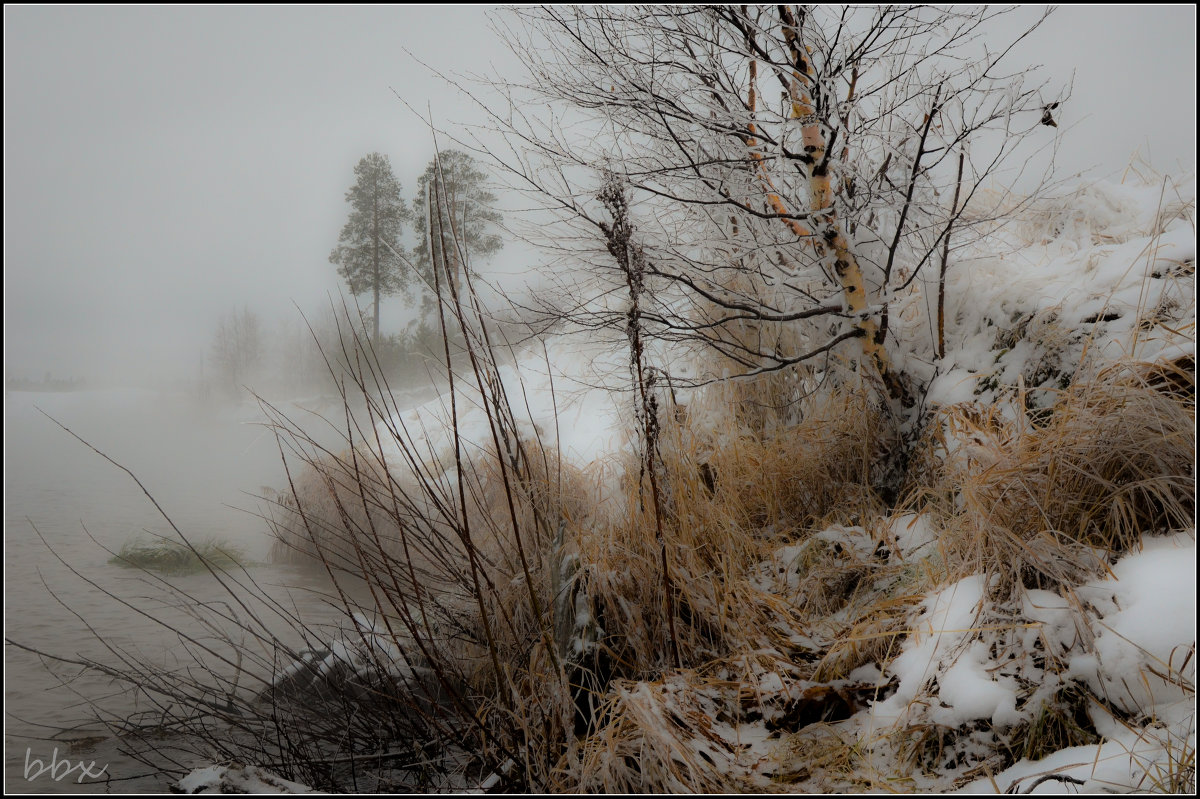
{"x": 1093, "y": 277}
{"x": 914, "y": 535}
{"x": 1144, "y": 632}
{"x": 935, "y": 649}
{"x": 1072, "y": 285}
{"x": 1089, "y": 279}
{"x": 953, "y": 387}
{"x": 237, "y": 779}
{"x": 1054, "y": 616}
{"x": 1142, "y": 661}
{"x": 1077, "y": 769}
{"x": 970, "y": 692}
{"x": 571, "y": 396}
{"x": 1129, "y": 761}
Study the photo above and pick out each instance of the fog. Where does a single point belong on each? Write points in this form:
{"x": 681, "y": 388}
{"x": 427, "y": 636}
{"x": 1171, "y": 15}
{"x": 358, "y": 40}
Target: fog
{"x": 167, "y": 165}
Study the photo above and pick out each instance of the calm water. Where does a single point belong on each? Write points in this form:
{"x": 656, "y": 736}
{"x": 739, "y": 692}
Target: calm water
{"x": 204, "y": 464}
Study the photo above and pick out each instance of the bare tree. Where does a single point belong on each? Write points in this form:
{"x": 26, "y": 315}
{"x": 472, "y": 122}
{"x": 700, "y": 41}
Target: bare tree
{"x": 237, "y": 348}
{"x": 790, "y": 170}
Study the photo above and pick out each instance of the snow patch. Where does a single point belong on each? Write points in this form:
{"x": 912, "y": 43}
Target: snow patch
{"x": 237, "y": 779}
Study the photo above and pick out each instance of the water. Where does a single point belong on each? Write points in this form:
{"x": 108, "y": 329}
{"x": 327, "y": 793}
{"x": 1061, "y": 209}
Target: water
{"x": 204, "y": 464}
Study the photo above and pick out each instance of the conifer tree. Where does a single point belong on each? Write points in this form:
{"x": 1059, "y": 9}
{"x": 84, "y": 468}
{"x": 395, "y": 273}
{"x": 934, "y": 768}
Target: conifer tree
{"x": 368, "y": 251}
{"x": 458, "y": 186}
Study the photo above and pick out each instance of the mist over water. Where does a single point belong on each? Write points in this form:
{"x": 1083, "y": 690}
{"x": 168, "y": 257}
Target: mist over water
{"x": 203, "y": 462}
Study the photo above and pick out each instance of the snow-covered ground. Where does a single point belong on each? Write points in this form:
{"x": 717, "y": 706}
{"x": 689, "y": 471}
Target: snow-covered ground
{"x": 1102, "y": 276}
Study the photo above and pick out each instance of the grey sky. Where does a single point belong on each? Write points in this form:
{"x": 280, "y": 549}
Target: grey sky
{"x": 166, "y": 164}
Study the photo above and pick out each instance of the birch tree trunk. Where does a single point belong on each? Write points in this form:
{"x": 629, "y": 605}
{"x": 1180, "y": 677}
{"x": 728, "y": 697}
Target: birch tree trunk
{"x": 827, "y": 234}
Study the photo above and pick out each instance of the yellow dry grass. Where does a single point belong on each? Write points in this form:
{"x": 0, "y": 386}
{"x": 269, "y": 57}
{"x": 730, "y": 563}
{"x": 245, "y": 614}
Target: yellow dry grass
{"x": 1112, "y": 460}
{"x": 1039, "y": 505}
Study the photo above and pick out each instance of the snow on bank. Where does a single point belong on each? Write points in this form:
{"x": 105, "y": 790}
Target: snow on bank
{"x": 970, "y": 672}
{"x": 1101, "y": 276}
{"x": 1144, "y": 655}
{"x": 570, "y": 396}
{"x": 1105, "y": 275}
{"x": 1098, "y": 275}
{"x": 1143, "y": 663}
{"x": 237, "y": 779}
{"x": 940, "y": 650}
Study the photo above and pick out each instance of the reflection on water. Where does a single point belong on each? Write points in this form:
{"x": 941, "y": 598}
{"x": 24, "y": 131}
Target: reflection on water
{"x": 204, "y": 465}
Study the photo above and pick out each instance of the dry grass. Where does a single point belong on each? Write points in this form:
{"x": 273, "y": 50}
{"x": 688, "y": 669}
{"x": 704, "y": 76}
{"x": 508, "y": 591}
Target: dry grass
{"x": 1061, "y": 722}
{"x": 658, "y": 739}
{"x": 546, "y": 607}
{"x": 816, "y": 471}
{"x": 178, "y": 558}
{"x": 729, "y": 503}
{"x": 1112, "y": 460}
{"x": 1178, "y": 774}
{"x": 732, "y": 500}
{"x": 874, "y": 634}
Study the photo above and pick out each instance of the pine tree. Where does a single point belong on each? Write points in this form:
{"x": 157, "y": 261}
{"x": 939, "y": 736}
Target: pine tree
{"x": 459, "y": 190}
{"x": 368, "y": 249}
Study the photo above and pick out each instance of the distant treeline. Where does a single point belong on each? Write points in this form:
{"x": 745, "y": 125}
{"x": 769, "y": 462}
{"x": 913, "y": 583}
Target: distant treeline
{"x": 312, "y": 353}
{"x": 46, "y": 383}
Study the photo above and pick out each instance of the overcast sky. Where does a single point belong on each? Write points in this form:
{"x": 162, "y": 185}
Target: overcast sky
{"x": 163, "y": 165}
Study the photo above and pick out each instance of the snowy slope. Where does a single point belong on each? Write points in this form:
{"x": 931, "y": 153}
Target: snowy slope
{"x": 1101, "y": 277}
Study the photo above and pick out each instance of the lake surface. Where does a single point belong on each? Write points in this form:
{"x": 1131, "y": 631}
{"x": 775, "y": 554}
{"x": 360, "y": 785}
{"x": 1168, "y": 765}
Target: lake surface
{"x": 205, "y": 464}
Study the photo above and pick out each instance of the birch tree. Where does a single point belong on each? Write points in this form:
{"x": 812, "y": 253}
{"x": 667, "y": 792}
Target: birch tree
{"x": 791, "y": 170}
